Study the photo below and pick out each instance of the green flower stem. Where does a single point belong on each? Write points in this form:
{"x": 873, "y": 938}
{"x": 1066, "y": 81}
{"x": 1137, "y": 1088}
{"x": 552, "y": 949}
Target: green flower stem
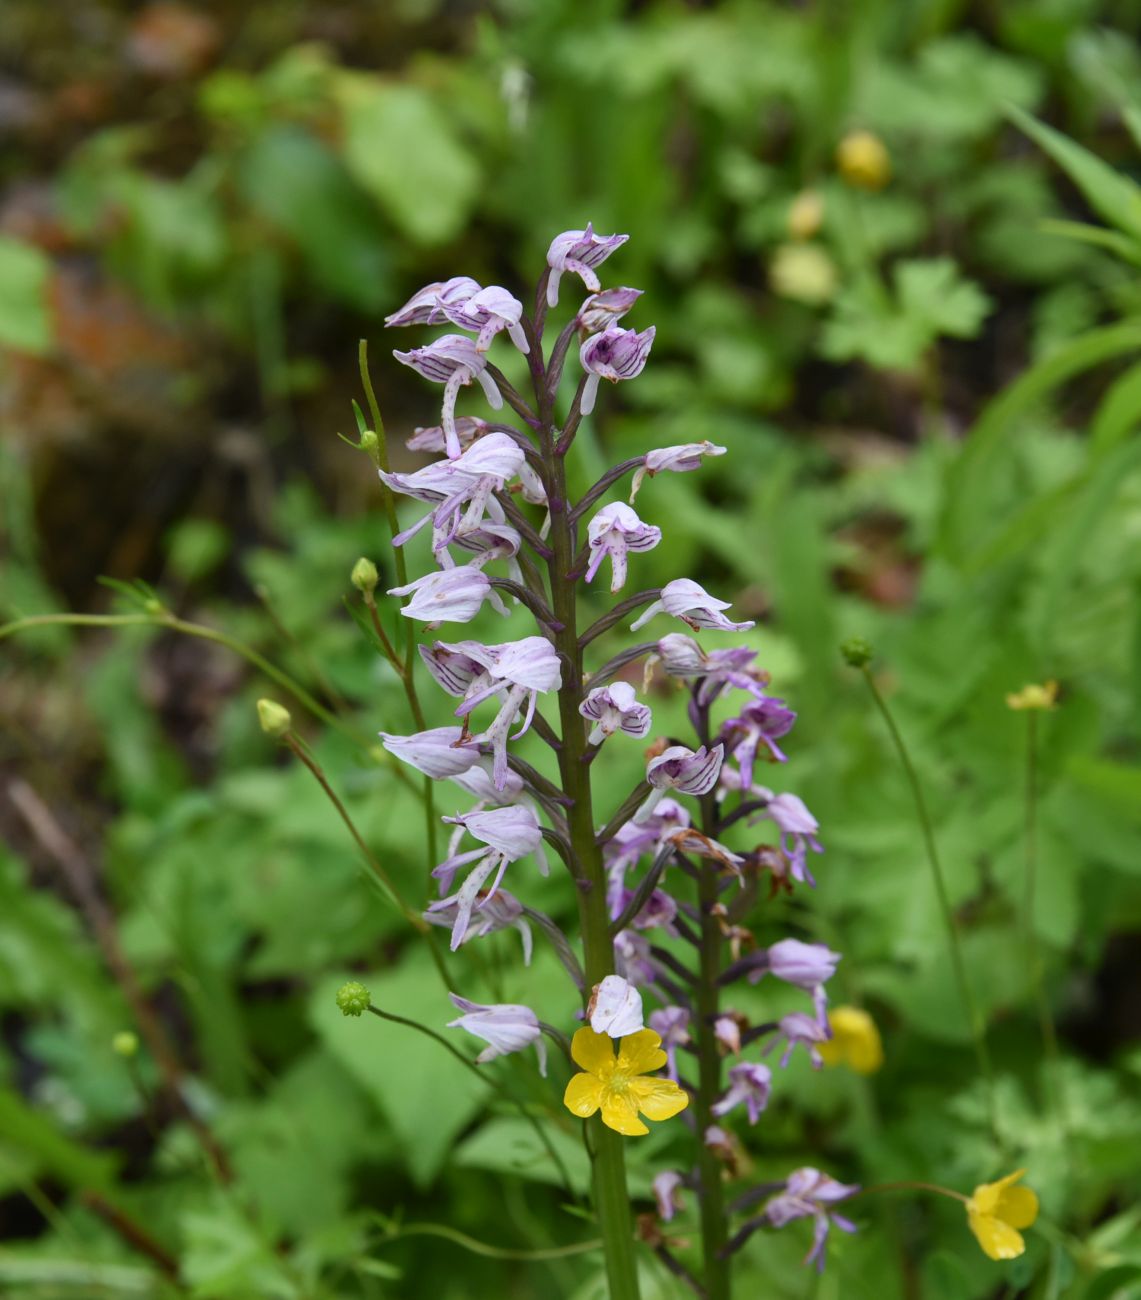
{"x": 1030, "y": 935}
{"x": 465, "y": 1242}
{"x": 974, "y": 1017}
{"x": 909, "y": 1185}
{"x": 612, "y": 1200}
{"x": 405, "y": 670}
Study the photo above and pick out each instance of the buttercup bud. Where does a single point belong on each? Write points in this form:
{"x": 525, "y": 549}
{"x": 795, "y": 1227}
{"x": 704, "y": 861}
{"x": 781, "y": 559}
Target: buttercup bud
{"x": 370, "y": 443}
{"x": 1040, "y": 697}
{"x": 125, "y": 1043}
{"x": 274, "y": 718}
{"x": 863, "y": 160}
{"x": 805, "y": 215}
{"x": 353, "y": 998}
{"x": 365, "y": 576}
{"x": 857, "y": 651}
{"x": 803, "y": 272}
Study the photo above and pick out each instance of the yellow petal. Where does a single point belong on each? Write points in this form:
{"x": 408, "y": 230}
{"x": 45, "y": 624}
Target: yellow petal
{"x": 998, "y": 1240}
{"x": 593, "y": 1052}
{"x": 640, "y": 1053}
{"x": 659, "y": 1098}
{"x": 583, "y": 1095}
{"x": 620, "y": 1112}
{"x": 986, "y": 1196}
{"x": 1017, "y": 1206}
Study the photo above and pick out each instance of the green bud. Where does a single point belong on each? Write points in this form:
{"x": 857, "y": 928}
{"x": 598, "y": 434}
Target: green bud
{"x": 857, "y": 651}
{"x": 353, "y": 999}
{"x": 370, "y": 443}
{"x": 365, "y": 576}
{"x": 274, "y": 718}
{"x": 125, "y": 1043}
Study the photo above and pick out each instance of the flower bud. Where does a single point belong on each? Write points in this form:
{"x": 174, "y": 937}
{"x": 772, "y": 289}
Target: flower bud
{"x": 805, "y": 215}
{"x": 863, "y": 160}
{"x": 1038, "y": 697}
{"x": 804, "y": 273}
{"x": 370, "y": 443}
{"x": 353, "y": 998}
{"x": 365, "y": 576}
{"x": 125, "y": 1043}
{"x": 274, "y": 718}
{"x": 857, "y": 651}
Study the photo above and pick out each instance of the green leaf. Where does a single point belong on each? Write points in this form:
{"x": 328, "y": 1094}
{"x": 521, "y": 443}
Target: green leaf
{"x": 511, "y": 1146}
{"x": 25, "y": 271}
{"x": 298, "y": 185}
{"x": 1112, "y": 196}
{"x": 933, "y": 293}
{"x": 402, "y": 148}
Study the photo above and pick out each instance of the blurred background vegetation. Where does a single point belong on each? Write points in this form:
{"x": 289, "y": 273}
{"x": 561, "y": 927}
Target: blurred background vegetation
{"x": 928, "y": 375}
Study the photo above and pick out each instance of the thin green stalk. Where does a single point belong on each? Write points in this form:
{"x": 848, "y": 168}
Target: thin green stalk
{"x": 482, "y": 1248}
{"x": 1030, "y": 935}
{"x": 381, "y": 876}
{"x": 612, "y": 1199}
{"x": 495, "y": 1084}
{"x": 974, "y": 1017}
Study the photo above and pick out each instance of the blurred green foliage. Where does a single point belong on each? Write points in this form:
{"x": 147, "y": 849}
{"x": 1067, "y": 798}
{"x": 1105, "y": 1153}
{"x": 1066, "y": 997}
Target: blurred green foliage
{"x": 932, "y": 424}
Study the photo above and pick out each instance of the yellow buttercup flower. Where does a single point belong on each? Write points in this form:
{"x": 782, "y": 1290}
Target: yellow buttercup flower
{"x": 995, "y": 1213}
{"x": 1034, "y": 697}
{"x": 615, "y": 1083}
{"x": 863, "y": 160}
{"x": 855, "y": 1041}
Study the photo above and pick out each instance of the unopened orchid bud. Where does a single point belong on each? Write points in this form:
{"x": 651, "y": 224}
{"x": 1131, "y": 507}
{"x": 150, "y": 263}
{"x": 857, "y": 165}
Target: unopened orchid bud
{"x": 863, "y": 160}
{"x": 365, "y": 576}
{"x": 274, "y": 718}
{"x": 353, "y": 998}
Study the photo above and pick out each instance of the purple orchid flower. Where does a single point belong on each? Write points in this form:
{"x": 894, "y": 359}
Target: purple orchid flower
{"x": 507, "y": 835}
{"x": 501, "y": 911}
{"x": 667, "y": 1192}
{"x": 727, "y": 1031}
{"x": 614, "y": 531}
{"x": 579, "y": 251}
{"x": 486, "y": 313}
{"x": 748, "y": 1083}
{"x": 427, "y": 305}
{"x": 681, "y": 459}
{"x": 615, "y": 354}
{"x": 615, "y": 708}
{"x": 504, "y": 1027}
{"x": 691, "y": 603}
{"x": 808, "y": 1193}
{"x": 682, "y": 657}
{"x": 797, "y": 1028}
{"x": 452, "y": 595}
{"x": 431, "y": 438}
{"x": 453, "y": 361}
{"x": 797, "y": 828}
{"x": 438, "y": 752}
{"x": 517, "y": 671}
{"x": 451, "y": 485}
{"x": 607, "y": 308}
{"x": 671, "y": 1024}
{"x": 760, "y": 722}
{"x": 808, "y": 966}
{"x": 685, "y": 770}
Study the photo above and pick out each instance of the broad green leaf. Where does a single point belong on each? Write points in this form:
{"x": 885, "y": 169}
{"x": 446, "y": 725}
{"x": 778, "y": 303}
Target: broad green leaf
{"x": 25, "y": 272}
{"x": 402, "y": 147}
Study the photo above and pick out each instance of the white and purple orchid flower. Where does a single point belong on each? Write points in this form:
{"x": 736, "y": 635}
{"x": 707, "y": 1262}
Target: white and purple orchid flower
{"x": 607, "y": 308}
{"x": 615, "y": 354}
{"x": 453, "y": 361}
{"x": 680, "y": 459}
{"x": 749, "y": 1084}
{"x": 690, "y": 602}
{"x": 615, "y": 708}
{"x": 504, "y": 1027}
{"x": 808, "y": 1193}
{"x": 685, "y": 770}
{"x": 579, "y": 251}
{"x": 614, "y": 531}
